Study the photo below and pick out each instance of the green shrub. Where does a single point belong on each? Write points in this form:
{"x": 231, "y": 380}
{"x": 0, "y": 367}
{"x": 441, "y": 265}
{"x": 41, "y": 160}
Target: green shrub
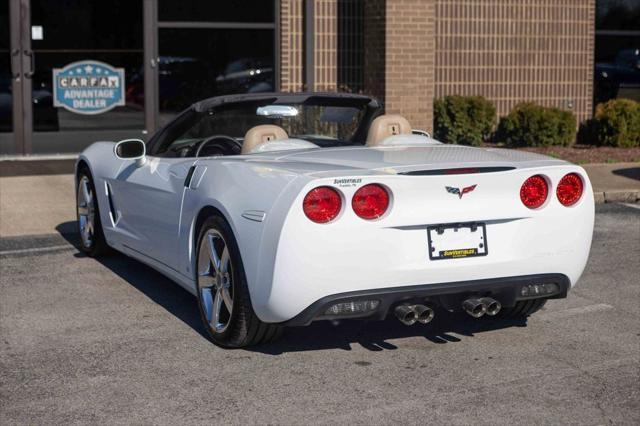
{"x": 467, "y": 120}
{"x": 529, "y": 124}
{"x": 616, "y": 123}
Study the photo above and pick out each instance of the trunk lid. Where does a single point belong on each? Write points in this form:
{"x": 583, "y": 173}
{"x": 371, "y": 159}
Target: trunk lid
{"x": 405, "y": 159}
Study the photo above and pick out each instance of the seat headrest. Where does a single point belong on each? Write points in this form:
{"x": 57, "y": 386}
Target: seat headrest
{"x": 261, "y": 134}
{"x": 385, "y": 126}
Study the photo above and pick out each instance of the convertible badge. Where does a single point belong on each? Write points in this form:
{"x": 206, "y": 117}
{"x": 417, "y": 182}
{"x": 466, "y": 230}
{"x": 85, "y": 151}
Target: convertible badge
{"x": 460, "y": 193}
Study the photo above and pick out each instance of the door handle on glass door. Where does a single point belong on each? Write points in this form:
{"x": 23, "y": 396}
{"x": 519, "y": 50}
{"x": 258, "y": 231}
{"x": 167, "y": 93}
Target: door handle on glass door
{"x": 32, "y": 60}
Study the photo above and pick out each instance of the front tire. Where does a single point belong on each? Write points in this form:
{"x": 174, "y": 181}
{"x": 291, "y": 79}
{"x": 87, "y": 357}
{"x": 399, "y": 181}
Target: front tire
{"x": 92, "y": 241}
{"x": 223, "y": 294}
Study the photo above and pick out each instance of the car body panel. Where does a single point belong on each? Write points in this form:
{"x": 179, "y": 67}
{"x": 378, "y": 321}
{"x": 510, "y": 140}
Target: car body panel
{"x": 290, "y": 262}
{"x": 150, "y": 209}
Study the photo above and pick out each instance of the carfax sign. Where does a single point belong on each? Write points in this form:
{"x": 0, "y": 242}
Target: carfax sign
{"x": 88, "y": 87}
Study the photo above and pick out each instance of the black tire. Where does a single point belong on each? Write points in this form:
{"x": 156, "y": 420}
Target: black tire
{"x": 97, "y": 246}
{"x": 243, "y": 327}
{"x": 523, "y": 308}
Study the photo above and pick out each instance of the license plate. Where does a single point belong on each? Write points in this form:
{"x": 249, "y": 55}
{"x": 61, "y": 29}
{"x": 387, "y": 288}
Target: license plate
{"x": 456, "y": 241}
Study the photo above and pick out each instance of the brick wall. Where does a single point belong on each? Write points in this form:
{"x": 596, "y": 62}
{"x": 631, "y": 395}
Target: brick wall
{"x": 291, "y": 45}
{"x": 325, "y": 45}
{"x": 409, "y": 60}
{"x": 514, "y": 50}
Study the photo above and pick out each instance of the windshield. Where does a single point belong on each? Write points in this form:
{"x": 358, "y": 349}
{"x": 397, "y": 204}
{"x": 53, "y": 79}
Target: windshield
{"x": 332, "y": 125}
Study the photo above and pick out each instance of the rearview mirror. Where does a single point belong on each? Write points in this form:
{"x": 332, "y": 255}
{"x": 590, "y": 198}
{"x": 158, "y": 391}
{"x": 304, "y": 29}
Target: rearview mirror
{"x": 277, "y": 111}
{"x": 130, "y": 149}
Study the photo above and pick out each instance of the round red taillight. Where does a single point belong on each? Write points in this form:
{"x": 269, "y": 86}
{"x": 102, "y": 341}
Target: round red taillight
{"x": 569, "y": 189}
{"x": 322, "y": 204}
{"x": 534, "y": 191}
{"x": 370, "y": 201}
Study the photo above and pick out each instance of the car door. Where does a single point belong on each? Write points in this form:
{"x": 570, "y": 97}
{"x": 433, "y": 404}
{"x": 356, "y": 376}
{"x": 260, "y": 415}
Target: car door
{"x": 147, "y": 200}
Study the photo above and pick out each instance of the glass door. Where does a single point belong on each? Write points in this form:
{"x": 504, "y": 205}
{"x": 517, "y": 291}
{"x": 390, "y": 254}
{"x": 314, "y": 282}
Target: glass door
{"x": 87, "y": 73}
{"x": 7, "y": 139}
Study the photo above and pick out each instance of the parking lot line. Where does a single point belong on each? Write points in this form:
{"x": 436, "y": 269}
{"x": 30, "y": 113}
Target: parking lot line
{"x": 35, "y": 250}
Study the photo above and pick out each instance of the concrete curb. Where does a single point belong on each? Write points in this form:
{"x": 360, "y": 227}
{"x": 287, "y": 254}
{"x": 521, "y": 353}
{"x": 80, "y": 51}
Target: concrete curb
{"x": 616, "y": 196}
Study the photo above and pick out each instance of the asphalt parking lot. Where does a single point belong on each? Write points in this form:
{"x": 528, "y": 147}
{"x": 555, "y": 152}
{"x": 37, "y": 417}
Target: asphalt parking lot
{"x": 113, "y": 342}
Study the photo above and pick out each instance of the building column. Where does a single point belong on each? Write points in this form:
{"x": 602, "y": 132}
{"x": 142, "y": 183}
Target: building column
{"x": 410, "y": 60}
{"x": 325, "y": 46}
{"x": 318, "y": 55}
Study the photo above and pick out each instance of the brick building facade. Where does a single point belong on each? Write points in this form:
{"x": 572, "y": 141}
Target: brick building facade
{"x": 413, "y": 51}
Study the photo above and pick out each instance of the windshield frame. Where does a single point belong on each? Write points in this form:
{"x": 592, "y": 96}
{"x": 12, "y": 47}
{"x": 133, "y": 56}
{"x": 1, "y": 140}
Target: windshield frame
{"x": 158, "y": 144}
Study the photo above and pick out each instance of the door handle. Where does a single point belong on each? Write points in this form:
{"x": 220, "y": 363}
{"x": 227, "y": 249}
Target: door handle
{"x": 32, "y": 61}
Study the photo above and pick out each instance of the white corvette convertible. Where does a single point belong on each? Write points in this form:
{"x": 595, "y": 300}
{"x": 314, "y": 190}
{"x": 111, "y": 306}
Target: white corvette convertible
{"x": 282, "y": 209}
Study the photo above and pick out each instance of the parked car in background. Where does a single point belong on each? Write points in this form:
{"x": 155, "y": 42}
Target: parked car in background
{"x": 619, "y": 79}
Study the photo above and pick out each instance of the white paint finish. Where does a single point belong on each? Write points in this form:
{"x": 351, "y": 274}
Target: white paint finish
{"x": 291, "y": 262}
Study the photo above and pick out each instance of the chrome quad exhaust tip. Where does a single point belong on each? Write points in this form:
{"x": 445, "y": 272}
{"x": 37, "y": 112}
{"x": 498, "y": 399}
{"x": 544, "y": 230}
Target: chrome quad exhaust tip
{"x": 424, "y": 313}
{"x": 492, "y": 306}
{"x": 474, "y": 307}
{"x": 410, "y": 314}
{"x": 406, "y": 314}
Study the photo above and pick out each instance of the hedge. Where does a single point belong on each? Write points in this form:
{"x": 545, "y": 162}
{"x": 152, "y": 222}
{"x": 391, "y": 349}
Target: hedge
{"x": 615, "y": 123}
{"x": 529, "y": 124}
{"x": 467, "y": 120}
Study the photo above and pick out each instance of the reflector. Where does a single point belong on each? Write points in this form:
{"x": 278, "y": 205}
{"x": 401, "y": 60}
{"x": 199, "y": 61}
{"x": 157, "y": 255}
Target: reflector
{"x": 351, "y": 308}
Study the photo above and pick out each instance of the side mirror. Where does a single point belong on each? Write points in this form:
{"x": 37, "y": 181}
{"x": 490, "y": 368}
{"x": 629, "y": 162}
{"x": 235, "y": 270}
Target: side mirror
{"x": 131, "y": 149}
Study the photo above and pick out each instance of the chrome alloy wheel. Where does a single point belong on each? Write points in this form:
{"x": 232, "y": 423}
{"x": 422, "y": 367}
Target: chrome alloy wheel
{"x": 86, "y": 211}
{"x": 215, "y": 273}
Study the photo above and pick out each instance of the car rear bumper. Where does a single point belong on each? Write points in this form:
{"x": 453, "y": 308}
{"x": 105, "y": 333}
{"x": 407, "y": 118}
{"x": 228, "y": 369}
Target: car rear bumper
{"x": 507, "y": 291}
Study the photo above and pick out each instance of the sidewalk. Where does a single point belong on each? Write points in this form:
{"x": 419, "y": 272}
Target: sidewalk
{"x": 45, "y": 204}
{"x": 615, "y": 183}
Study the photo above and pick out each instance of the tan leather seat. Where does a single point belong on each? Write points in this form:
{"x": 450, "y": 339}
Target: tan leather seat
{"x": 261, "y": 134}
{"x": 385, "y": 126}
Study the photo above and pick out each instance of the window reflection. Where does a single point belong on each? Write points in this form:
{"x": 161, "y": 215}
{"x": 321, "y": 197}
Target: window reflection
{"x": 617, "y": 53}
{"x": 201, "y": 63}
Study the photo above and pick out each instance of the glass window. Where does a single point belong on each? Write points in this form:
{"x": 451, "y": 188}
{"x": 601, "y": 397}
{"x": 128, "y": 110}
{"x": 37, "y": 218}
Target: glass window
{"x": 618, "y": 15}
{"x": 216, "y": 11}
{"x": 617, "y": 50}
{"x": 199, "y": 63}
{"x": 7, "y": 145}
{"x": 106, "y": 31}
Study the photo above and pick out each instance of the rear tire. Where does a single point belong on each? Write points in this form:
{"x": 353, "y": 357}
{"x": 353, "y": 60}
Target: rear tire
{"x": 92, "y": 241}
{"x": 523, "y": 308}
{"x": 223, "y": 295}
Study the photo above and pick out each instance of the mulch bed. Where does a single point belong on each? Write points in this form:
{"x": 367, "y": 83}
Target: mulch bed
{"x": 583, "y": 154}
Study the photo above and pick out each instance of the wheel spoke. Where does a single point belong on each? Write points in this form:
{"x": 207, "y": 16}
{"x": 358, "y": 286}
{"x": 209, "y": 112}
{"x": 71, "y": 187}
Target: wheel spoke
{"x": 213, "y": 254}
{"x": 205, "y": 280}
{"x": 224, "y": 261}
{"x": 207, "y": 303}
{"x": 226, "y": 297}
{"x": 217, "y": 308}
{"x": 86, "y": 192}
